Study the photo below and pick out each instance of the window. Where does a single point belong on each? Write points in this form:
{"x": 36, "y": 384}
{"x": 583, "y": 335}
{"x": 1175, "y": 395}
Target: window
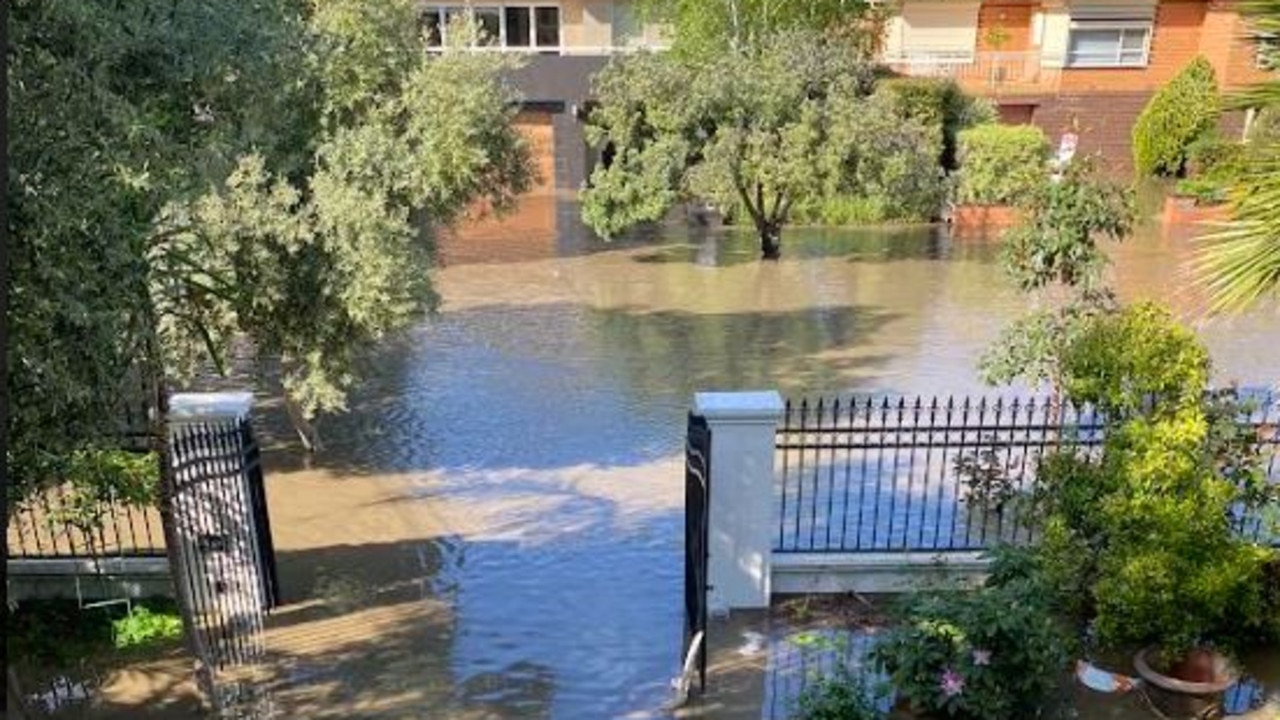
{"x": 489, "y": 24}
{"x": 514, "y": 26}
{"x": 1266, "y": 51}
{"x": 519, "y": 26}
{"x": 1109, "y": 45}
{"x": 546, "y": 26}
{"x": 433, "y": 26}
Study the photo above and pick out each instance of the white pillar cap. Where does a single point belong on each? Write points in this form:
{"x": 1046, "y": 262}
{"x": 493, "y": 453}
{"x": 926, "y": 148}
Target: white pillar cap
{"x": 203, "y": 407}
{"x": 739, "y": 407}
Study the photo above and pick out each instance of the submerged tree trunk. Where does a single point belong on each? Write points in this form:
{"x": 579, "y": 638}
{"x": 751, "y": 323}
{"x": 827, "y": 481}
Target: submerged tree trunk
{"x": 770, "y": 240}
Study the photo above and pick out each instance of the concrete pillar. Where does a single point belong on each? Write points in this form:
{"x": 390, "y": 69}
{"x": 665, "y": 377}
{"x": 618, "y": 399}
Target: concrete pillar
{"x": 742, "y": 515}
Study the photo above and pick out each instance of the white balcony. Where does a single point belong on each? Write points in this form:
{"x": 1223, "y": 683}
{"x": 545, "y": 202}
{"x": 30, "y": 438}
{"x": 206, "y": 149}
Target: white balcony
{"x": 994, "y": 74}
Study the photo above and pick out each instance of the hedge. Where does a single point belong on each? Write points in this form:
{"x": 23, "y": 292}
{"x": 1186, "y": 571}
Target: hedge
{"x": 1175, "y": 117}
{"x": 1001, "y": 164}
{"x": 938, "y": 103}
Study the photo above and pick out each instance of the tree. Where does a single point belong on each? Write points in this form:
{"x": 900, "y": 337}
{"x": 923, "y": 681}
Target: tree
{"x": 702, "y": 27}
{"x": 172, "y": 194}
{"x": 1053, "y": 254}
{"x": 751, "y": 132}
{"x": 1240, "y": 262}
{"x": 1174, "y": 118}
{"x": 189, "y": 175}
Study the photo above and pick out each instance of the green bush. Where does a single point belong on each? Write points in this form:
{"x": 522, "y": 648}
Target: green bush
{"x": 840, "y": 696}
{"x": 1265, "y": 128}
{"x": 940, "y": 104}
{"x": 1205, "y": 191}
{"x": 1182, "y": 111}
{"x": 1137, "y": 540}
{"x": 997, "y": 652}
{"x": 842, "y": 210}
{"x": 1213, "y": 157}
{"x": 1001, "y": 164}
{"x": 143, "y": 626}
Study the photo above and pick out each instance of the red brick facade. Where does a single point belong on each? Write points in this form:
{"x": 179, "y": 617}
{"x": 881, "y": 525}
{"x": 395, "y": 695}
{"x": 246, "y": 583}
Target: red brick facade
{"x": 1101, "y": 104}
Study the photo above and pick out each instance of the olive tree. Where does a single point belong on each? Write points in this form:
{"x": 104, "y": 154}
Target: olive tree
{"x": 751, "y": 132}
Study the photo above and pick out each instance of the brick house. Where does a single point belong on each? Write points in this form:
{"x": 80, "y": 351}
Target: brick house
{"x": 1090, "y": 65}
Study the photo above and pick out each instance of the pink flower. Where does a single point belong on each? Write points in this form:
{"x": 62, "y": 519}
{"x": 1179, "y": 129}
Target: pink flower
{"x": 952, "y": 684}
{"x": 981, "y": 657}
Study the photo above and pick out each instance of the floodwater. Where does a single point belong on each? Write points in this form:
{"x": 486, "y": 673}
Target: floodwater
{"x": 494, "y": 530}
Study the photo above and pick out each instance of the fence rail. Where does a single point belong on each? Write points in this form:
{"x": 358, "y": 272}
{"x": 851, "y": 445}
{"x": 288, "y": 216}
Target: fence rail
{"x": 39, "y": 529}
{"x": 930, "y": 474}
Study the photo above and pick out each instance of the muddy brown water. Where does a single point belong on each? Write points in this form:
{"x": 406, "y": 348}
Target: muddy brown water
{"x": 494, "y": 530}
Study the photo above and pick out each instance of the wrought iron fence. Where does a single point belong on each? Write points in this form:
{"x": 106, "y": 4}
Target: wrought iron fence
{"x": 932, "y": 474}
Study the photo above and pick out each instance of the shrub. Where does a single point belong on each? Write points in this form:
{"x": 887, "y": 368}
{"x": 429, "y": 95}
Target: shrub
{"x": 840, "y": 696}
{"x": 997, "y": 652}
{"x": 1213, "y": 157}
{"x": 940, "y": 104}
{"x": 1001, "y": 164}
{"x": 1140, "y": 535}
{"x": 1202, "y": 190}
{"x": 143, "y": 627}
{"x": 1180, "y": 112}
{"x": 1265, "y": 128}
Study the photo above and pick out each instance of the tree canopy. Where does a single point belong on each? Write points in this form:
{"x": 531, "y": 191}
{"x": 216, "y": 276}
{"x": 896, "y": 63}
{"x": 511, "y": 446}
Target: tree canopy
{"x": 751, "y": 132}
{"x": 712, "y": 26}
{"x": 188, "y": 175}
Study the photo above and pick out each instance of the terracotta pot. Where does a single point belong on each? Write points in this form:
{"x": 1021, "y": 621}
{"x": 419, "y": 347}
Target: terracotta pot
{"x": 982, "y": 220}
{"x": 1184, "y": 211}
{"x": 1197, "y": 698}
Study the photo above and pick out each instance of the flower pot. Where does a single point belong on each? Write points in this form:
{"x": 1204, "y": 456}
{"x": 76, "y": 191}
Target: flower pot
{"x": 1197, "y": 695}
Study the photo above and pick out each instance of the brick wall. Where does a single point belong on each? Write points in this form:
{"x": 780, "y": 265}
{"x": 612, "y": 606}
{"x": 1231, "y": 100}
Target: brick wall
{"x": 1104, "y": 123}
{"x": 1012, "y": 18}
{"x": 1175, "y": 42}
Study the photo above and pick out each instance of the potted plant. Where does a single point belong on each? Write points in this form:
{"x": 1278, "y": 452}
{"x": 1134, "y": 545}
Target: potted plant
{"x": 1141, "y": 541}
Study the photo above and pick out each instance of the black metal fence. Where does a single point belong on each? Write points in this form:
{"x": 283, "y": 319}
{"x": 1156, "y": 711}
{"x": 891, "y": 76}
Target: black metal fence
{"x": 931, "y": 474}
{"x": 697, "y": 506}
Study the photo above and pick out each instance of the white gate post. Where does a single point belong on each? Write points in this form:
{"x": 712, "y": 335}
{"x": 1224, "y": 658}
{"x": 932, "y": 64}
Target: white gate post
{"x": 741, "y": 513}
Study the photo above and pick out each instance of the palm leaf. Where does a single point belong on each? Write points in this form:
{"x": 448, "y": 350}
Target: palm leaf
{"x": 1240, "y": 261}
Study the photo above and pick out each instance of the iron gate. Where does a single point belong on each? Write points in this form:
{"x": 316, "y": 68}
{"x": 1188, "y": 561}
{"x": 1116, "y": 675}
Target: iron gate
{"x": 697, "y": 503}
{"x": 224, "y": 537}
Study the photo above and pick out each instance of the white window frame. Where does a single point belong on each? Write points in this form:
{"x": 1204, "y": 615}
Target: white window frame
{"x": 1266, "y": 51}
{"x": 470, "y": 10}
{"x": 1147, "y": 27}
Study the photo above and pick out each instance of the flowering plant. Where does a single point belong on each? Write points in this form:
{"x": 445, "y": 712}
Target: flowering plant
{"x": 994, "y": 653}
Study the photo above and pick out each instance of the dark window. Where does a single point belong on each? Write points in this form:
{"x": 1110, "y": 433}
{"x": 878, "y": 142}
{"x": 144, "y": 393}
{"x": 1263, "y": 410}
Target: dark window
{"x": 431, "y": 26}
{"x": 489, "y": 24}
{"x": 519, "y": 27}
{"x": 547, "y": 26}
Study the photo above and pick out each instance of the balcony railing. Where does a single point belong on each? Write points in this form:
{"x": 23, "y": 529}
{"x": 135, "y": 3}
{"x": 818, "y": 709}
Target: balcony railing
{"x": 986, "y": 73}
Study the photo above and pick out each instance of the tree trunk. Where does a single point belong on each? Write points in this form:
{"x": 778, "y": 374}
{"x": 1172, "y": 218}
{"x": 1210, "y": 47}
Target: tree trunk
{"x": 770, "y": 240}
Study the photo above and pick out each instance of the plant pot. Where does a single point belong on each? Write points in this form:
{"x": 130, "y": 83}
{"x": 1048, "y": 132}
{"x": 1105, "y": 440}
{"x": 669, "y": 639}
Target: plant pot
{"x": 1180, "y": 699}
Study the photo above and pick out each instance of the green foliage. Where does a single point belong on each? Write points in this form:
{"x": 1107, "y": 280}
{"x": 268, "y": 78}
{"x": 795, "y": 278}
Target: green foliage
{"x": 1139, "y": 540}
{"x": 1213, "y": 156}
{"x": 1001, "y": 164}
{"x": 1183, "y": 110}
{"x": 60, "y": 635}
{"x": 840, "y": 696}
{"x": 1057, "y": 240}
{"x": 942, "y": 105}
{"x": 1265, "y": 128}
{"x": 1029, "y": 347}
{"x": 790, "y": 129}
{"x": 189, "y": 175}
{"x": 1203, "y": 191}
{"x": 740, "y": 130}
{"x": 699, "y": 27}
{"x": 997, "y": 652}
{"x": 98, "y": 481}
{"x": 142, "y": 626}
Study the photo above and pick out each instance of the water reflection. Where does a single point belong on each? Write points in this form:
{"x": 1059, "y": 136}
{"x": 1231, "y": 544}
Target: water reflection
{"x": 494, "y": 528}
